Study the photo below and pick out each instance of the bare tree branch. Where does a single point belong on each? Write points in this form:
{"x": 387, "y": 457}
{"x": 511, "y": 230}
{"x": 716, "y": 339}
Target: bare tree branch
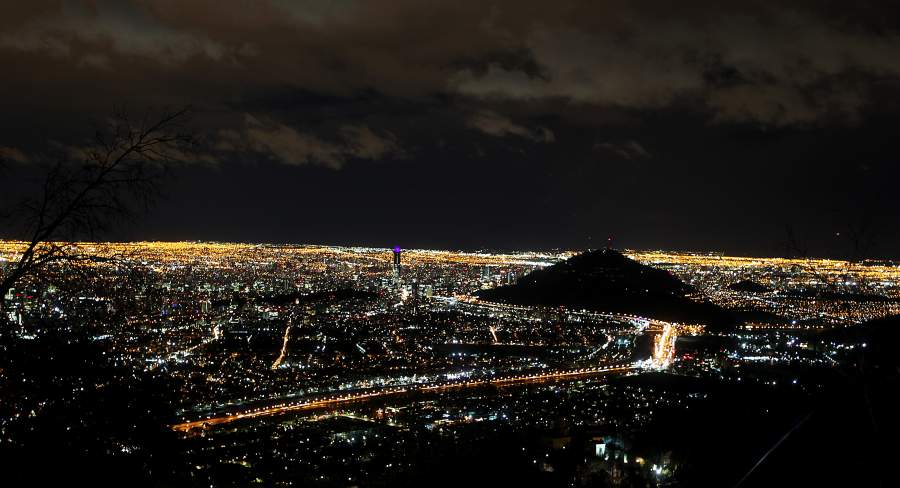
{"x": 119, "y": 174}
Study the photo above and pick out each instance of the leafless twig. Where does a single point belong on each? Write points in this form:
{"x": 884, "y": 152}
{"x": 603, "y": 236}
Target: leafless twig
{"x": 116, "y": 176}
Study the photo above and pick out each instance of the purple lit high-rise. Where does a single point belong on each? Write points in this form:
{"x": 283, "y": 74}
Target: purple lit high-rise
{"x": 396, "y": 264}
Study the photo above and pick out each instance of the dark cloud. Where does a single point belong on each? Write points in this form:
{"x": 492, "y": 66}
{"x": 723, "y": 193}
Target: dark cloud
{"x": 282, "y": 143}
{"x": 788, "y": 67}
{"x": 12, "y": 154}
{"x": 494, "y": 124}
{"x": 560, "y": 91}
{"x": 787, "y": 64}
{"x": 628, "y": 150}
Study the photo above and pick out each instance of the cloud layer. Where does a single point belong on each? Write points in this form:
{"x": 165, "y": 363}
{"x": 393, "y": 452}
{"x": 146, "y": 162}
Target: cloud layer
{"x": 748, "y": 61}
{"x": 498, "y": 65}
{"x": 494, "y": 124}
{"x": 272, "y": 140}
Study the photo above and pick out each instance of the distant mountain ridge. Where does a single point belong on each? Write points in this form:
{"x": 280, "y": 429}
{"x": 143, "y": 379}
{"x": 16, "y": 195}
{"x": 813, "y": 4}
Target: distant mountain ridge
{"x": 606, "y": 280}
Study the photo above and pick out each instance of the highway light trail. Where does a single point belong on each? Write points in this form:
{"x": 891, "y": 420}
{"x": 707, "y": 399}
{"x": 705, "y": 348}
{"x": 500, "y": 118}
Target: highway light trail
{"x": 287, "y": 335}
{"x": 337, "y": 399}
{"x": 664, "y": 346}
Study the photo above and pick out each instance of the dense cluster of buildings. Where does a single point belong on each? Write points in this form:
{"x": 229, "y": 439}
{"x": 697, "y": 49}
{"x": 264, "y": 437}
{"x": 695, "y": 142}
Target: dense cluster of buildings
{"x": 807, "y": 293}
{"x": 239, "y": 328}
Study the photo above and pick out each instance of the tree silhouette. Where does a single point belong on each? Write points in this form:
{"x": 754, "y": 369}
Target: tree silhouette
{"x": 111, "y": 179}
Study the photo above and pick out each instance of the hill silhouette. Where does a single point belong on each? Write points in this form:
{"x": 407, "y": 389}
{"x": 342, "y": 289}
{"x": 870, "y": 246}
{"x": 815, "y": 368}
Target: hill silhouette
{"x": 606, "y": 280}
{"x": 880, "y": 335}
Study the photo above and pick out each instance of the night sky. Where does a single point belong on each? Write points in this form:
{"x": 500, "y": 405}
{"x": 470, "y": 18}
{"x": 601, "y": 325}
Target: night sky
{"x": 482, "y": 125}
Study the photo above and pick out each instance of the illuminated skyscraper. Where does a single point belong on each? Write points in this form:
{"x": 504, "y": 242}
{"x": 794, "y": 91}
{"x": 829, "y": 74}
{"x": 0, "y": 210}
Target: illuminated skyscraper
{"x": 396, "y": 264}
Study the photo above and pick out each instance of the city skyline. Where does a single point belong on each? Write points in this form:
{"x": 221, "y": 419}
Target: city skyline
{"x": 326, "y": 366}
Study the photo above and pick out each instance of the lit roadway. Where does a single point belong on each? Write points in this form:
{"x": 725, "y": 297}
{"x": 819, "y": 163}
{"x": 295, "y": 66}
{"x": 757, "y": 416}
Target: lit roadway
{"x": 662, "y": 357}
{"x": 332, "y": 400}
{"x": 664, "y": 346}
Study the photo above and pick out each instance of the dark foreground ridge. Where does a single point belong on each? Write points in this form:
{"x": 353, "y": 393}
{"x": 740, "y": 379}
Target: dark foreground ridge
{"x": 607, "y": 280}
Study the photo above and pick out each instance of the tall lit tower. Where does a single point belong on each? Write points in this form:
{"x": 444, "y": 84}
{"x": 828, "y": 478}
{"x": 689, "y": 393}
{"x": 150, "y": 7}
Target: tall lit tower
{"x": 396, "y": 264}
